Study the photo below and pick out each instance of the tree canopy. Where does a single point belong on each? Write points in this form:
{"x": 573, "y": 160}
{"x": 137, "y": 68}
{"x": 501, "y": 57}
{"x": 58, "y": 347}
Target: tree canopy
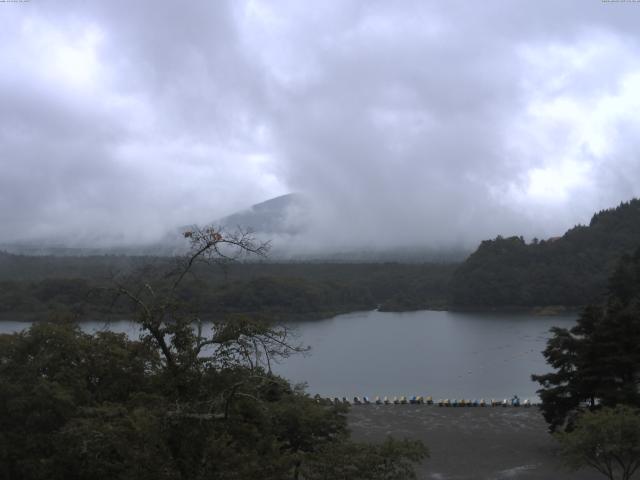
{"x": 569, "y": 270}
{"x": 34, "y": 287}
{"x": 180, "y": 402}
{"x": 597, "y": 362}
{"x": 607, "y": 440}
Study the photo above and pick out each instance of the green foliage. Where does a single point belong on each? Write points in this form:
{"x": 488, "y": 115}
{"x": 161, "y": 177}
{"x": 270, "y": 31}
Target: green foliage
{"x": 283, "y": 291}
{"x": 597, "y": 362}
{"x": 285, "y": 297}
{"x": 48, "y": 376}
{"x": 179, "y": 403}
{"x": 42, "y": 267}
{"x": 101, "y": 406}
{"x": 607, "y": 440}
{"x": 571, "y": 270}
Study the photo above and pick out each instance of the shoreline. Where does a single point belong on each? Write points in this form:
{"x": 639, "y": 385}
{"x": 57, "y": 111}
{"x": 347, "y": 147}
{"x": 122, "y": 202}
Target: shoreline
{"x": 470, "y": 443}
{"x": 539, "y": 310}
{"x": 542, "y": 311}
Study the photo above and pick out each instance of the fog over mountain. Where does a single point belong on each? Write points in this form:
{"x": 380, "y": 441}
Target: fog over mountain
{"x": 287, "y": 224}
{"x": 401, "y": 123}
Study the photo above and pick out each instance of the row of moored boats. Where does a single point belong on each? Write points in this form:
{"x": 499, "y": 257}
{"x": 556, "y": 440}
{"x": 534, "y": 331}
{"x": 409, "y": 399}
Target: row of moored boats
{"x": 419, "y": 400}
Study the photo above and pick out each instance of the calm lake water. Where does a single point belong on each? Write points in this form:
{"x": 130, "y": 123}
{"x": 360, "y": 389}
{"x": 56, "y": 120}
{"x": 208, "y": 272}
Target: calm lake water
{"x": 443, "y": 354}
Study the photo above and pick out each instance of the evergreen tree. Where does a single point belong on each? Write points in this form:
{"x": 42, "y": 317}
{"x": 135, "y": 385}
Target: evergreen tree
{"x": 597, "y": 362}
{"x": 569, "y": 270}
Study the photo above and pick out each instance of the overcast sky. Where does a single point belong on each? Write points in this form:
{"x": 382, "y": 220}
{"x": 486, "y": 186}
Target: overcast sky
{"x": 404, "y": 122}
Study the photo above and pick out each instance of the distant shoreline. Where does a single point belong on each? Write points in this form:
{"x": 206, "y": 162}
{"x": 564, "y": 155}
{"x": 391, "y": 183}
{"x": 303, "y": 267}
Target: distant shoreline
{"x": 548, "y": 310}
{"x": 542, "y": 311}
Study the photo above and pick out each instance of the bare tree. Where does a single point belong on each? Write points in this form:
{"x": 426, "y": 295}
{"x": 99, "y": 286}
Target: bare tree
{"x": 180, "y": 334}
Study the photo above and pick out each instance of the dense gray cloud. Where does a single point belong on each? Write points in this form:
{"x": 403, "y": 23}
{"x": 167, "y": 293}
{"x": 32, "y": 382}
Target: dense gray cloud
{"x": 403, "y": 122}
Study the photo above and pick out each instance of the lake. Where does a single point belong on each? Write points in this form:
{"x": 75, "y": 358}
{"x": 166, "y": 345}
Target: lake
{"x": 443, "y": 354}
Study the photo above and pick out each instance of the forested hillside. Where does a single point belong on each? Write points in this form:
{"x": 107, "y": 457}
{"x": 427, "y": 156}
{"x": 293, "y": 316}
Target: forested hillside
{"x": 41, "y": 287}
{"x": 571, "y": 270}
{"x": 596, "y": 363}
